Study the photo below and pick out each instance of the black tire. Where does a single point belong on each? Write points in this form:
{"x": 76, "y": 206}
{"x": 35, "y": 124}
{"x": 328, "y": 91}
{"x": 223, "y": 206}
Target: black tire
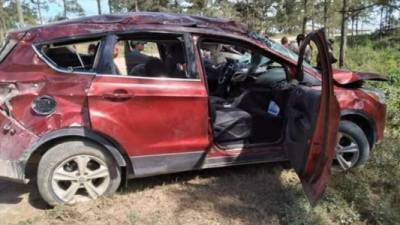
{"x": 56, "y": 155}
{"x": 357, "y": 134}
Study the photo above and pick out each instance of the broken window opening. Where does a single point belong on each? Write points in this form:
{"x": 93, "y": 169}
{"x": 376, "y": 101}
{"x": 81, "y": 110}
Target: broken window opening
{"x": 79, "y": 56}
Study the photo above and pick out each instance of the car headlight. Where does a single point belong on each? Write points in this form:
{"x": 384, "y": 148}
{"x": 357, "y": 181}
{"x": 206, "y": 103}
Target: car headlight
{"x": 376, "y": 94}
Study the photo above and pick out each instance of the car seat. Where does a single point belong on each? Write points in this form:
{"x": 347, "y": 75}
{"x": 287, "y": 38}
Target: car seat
{"x": 231, "y": 125}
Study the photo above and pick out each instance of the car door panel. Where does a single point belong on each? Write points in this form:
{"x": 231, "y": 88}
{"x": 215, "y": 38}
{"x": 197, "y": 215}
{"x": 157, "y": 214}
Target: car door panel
{"x": 313, "y": 118}
{"x": 302, "y": 116}
{"x": 153, "y": 116}
{"x": 161, "y": 123}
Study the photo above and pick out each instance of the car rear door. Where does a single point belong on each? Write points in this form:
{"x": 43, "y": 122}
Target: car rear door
{"x": 313, "y": 118}
{"x": 160, "y": 122}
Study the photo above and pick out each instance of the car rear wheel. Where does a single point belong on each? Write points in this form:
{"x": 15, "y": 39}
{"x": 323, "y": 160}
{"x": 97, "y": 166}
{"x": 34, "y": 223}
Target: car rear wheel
{"x": 352, "y": 148}
{"x": 76, "y": 171}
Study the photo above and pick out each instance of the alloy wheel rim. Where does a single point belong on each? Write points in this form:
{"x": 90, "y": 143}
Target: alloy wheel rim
{"x": 80, "y": 178}
{"x": 347, "y": 152}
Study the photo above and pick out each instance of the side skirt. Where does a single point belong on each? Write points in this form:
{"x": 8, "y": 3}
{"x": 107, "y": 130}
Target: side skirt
{"x": 151, "y": 165}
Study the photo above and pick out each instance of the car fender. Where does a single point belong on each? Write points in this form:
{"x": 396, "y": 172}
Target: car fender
{"x": 80, "y": 132}
{"x": 368, "y": 119}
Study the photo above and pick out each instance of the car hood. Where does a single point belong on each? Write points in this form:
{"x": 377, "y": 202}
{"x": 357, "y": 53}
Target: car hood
{"x": 345, "y": 77}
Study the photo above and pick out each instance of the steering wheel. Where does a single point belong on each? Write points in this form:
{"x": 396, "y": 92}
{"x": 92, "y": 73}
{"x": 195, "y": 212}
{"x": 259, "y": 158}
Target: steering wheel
{"x": 224, "y": 79}
{"x": 226, "y": 73}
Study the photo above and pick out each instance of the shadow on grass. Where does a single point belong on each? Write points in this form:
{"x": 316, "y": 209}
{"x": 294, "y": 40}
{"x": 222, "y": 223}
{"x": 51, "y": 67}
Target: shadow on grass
{"x": 12, "y": 193}
{"x": 252, "y": 194}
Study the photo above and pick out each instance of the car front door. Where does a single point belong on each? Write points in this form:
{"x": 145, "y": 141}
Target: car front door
{"x": 160, "y": 122}
{"x": 313, "y": 118}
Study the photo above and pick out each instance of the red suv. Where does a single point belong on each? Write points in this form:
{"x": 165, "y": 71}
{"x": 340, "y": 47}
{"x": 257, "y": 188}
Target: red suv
{"x": 89, "y": 102}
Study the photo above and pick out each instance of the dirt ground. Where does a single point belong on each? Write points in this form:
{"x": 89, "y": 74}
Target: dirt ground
{"x": 19, "y": 202}
{"x": 269, "y": 194}
{"x": 254, "y": 194}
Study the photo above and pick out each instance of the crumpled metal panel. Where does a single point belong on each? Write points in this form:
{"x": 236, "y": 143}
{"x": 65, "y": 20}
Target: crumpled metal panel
{"x": 12, "y": 170}
{"x": 344, "y": 77}
{"x": 358, "y": 100}
{"x": 121, "y": 22}
{"x": 23, "y": 77}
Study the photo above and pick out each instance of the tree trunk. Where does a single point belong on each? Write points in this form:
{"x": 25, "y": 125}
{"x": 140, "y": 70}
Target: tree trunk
{"x": 326, "y": 2}
{"x": 39, "y": 9}
{"x": 381, "y": 24}
{"x": 136, "y": 6}
{"x": 312, "y": 24}
{"x": 305, "y": 17}
{"x": 65, "y": 8}
{"x": 352, "y": 29}
{"x": 343, "y": 33}
{"x": 19, "y": 12}
{"x": 2, "y": 23}
{"x": 98, "y": 7}
{"x": 110, "y": 6}
{"x": 389, "y": 17}
{"x": 357, "y": 18}
{"x": 247, "y": 11}
{"x": 2, "y": 31}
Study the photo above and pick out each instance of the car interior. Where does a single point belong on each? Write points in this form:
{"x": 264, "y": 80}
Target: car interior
{"x": 159, "y": 55}
{"x": 249, "y": 94}
{"x": 151, "y": 56}
{"x": 72, "y": 56}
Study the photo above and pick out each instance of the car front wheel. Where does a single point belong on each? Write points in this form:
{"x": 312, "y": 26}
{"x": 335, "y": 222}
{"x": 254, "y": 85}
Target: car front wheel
{"x": 352, "y": 148}
{"x": 76, "y": 171}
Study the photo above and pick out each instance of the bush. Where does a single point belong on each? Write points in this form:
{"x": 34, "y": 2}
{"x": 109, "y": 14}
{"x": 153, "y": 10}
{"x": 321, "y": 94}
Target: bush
{"x": 383, "y": 57}
{"x": 373, "y": 191}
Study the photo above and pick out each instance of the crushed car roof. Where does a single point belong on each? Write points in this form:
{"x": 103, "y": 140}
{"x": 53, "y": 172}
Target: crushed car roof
{"x": 117, "y": 22}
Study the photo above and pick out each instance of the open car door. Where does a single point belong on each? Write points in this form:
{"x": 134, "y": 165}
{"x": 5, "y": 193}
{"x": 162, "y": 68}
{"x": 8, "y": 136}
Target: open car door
{"x": 313, "y": 119}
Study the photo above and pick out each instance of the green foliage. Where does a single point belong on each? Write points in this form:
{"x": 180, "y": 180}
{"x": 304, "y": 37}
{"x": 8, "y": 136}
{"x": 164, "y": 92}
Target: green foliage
{"x": 380, "y": 55}
{"x": 8, "y": 15}
{"x": 73, "y": 6}
{"x": 374, "y": 191}
{"x": 142, "y": 5}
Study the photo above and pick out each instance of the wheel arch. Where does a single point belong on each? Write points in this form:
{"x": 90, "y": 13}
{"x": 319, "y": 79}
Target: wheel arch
{"x": 33, "y": 154}
{"x": 361, "y": 119}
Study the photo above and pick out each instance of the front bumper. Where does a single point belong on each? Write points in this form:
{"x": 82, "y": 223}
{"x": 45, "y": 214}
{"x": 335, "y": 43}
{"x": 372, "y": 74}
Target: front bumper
{"x": 12, "y": 170}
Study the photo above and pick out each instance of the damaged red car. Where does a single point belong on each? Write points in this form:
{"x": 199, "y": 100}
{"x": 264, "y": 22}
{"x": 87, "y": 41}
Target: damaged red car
{"x": 89, "y": 102}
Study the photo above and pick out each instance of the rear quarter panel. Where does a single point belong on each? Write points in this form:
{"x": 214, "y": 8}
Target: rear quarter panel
{"x": 28, "y": 76}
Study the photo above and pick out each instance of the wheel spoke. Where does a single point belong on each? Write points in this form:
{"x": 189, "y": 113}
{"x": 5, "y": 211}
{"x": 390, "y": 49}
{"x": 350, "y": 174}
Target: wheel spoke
{"x": 343, "y": 162}
{"x": 82, "y": 162}
{"x": 348, "y": 149}
{"x": 102, "y": 171}
{"x": 91, "y": 189}
{"x": 71, "y": 191}
{"x": 62, "y": 175}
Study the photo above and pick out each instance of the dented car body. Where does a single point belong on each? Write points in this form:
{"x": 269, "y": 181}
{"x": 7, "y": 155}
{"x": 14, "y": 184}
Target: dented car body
{"x": 156, "y": 125}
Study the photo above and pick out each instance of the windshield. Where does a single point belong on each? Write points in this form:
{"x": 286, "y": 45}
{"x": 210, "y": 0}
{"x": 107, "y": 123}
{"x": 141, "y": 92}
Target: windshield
{"x": 279, "y": 48}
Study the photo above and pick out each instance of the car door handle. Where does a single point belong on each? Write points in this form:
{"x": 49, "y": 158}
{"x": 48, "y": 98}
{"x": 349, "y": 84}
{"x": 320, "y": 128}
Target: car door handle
{"x": 118, "y": 95}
